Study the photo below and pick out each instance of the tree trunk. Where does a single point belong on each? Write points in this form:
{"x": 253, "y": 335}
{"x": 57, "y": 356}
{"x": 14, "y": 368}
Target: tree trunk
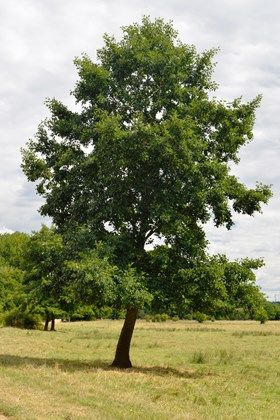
{"x": 122, "y": 359}
{"x": 53, "y": 324}
{"x": 46, "y": 326}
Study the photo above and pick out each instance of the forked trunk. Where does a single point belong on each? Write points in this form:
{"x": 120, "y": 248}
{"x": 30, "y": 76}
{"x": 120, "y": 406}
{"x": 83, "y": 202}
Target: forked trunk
{"x": 53, "y": 324}
{"x": 46, "y": 326}
{"x": 122, "y": 359}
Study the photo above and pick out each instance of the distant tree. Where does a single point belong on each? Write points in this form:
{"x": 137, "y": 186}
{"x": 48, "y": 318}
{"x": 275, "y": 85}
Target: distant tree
{"x": 240, "y": 283}
{"x": 44, "y": 279}
{"x": 12, "y": 248}
{"x": 273, "y": 310}
{"x": 11, "y": 287}
{"x": 148, "y": 154}
{"x": 212, "y": 285}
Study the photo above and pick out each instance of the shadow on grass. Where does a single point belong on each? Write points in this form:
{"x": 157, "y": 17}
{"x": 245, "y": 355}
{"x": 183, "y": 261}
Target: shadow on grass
{"x": 82, "y": 365}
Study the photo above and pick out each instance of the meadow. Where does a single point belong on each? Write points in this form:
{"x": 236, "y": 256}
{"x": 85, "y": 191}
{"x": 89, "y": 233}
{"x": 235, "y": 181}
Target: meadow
{"x": 182, "y": 370}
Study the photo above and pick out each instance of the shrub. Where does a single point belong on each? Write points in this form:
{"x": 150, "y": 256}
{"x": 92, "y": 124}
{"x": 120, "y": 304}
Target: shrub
{"x": 164, "y": 317}
{"x": 200, "y": 317}
{"x": 83, "y": 313}
{"x": 22, "y": 319}
{"x": 175, "y": 318}
{"x": 104, "y": 313}
{"x": 157, "y": 318}
{"x": 262, "y": 316}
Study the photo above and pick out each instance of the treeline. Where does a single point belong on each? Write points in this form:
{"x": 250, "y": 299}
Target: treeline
{"x": 45, "y": 276}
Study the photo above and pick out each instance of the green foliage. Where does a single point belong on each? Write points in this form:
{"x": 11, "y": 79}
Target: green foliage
{"x": 273, "y": 310}
{"x": 12, "y": 248}
{"x": 11, "y": 287}
{"x": 92, "y": 278}
{"x": 146, "y": 105}
{"x": 46, "y": 278}
{"x": 158, "y": 318}
{"x": 83, "y": 313}
{"x": 200, "y": 317}
{"x": 212, "y": 285}
{"x": 175, "y": 318}
{"x": 148, "y": 153}
{"x": 131, "y": 290}
{"x": 88, "y": 313}
{"x": 262, "y": 316}
{"x": 164, "y": 317}
{"x": 20, "y": 318}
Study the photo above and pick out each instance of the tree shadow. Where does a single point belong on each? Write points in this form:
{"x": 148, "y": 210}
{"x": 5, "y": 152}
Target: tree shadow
{"x": 83, "y": 365}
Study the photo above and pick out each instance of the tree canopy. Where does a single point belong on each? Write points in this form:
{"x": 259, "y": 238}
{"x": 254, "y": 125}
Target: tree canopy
{"x": 12, "y": 259}
{"x": 147, "y": 153}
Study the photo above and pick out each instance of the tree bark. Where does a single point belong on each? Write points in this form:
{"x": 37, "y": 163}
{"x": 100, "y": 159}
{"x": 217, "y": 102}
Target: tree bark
{"x": 53, "y": 324}
{"x": 122, "y": 359}
{"x": 46, "y": 326}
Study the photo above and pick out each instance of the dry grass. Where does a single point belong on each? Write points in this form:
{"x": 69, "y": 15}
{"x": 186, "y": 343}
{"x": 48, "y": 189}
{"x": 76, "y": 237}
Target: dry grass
{"x": 183, "y": 370}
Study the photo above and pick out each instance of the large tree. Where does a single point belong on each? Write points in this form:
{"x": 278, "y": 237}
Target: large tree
{"x": 146, "y": 154}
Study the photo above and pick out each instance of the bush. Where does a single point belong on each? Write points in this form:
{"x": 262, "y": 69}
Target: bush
{"x": 83, "y": 313}
{"x": 175, "y": 318}
{"x": 262, "y": 316}
{"x": 164, "y": 317}
{"x": 157, "y": 318}
{"x": 22, "y": 319}
{"x": 200, "y": 317}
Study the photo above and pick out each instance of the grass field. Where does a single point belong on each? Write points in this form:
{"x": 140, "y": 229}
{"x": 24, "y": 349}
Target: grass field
{"x": 183, "y": 370}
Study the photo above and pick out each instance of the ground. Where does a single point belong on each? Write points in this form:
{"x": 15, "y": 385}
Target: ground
{"x": 183, "y": 370}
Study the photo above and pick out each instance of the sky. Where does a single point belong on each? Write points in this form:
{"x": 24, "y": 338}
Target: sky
{"x": 39, "y": 40}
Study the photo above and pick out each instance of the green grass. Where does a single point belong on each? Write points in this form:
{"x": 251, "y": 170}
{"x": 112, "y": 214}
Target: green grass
{"x": 183, "y": 370}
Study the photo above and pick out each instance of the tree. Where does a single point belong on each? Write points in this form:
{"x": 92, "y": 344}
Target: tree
{"x": 146, "y": 155}
{"x": 12, "y": 247}
{"x": 11, "y": 287}
{"x": 46, "y": 275}
{"x": 212, "y": 285}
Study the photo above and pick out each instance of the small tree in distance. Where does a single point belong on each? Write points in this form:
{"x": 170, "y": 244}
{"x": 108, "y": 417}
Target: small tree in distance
{"x": 45, "y": 274}
{"x": 147, "y": 156}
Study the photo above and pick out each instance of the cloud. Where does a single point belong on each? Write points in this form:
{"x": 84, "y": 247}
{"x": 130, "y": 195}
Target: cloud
{"x": 39, "y": 41}
{"x": 4, "y": 230}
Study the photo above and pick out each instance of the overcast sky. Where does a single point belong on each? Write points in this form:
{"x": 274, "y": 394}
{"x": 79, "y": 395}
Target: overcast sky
{"x": 38, "y": 42}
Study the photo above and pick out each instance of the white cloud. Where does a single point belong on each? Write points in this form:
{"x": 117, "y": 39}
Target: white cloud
{"x": 4, "y": 230}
